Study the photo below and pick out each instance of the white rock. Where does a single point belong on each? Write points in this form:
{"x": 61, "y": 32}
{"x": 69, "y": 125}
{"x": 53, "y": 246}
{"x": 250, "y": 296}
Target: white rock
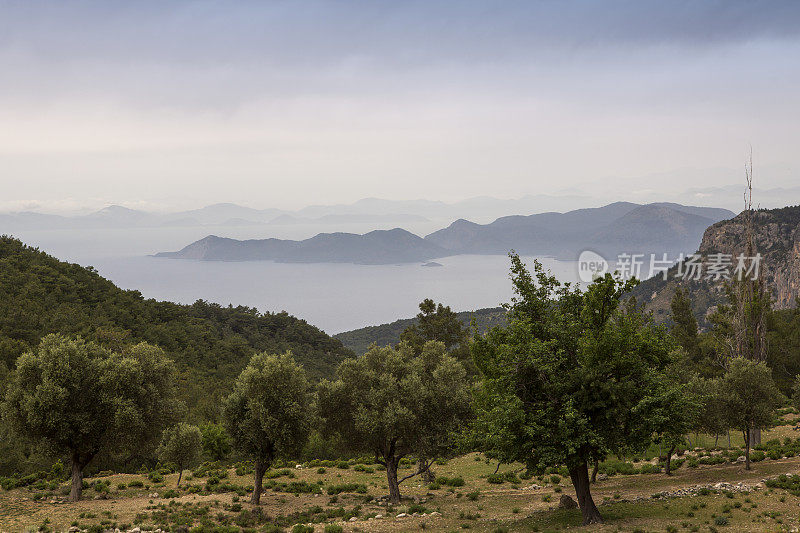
{"x": 401, "y": 515}
{"x": 353, "y": 518}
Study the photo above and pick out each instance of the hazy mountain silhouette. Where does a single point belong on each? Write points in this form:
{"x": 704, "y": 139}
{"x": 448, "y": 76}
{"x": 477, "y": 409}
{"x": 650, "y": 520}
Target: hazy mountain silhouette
{"x": 609, "y": 230}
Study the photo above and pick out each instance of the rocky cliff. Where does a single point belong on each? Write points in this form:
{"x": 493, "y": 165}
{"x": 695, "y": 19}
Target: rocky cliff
{"x": 776, "y": 238}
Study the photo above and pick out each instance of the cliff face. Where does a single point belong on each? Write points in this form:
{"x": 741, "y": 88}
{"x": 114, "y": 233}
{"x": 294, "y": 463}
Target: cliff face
{"x": 776, "y": 238}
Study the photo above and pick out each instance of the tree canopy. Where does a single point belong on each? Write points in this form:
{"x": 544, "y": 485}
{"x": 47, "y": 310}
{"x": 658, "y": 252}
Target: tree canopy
{"x": 181, "y": 445}
{"x": 77, "y": 397}
{"x": 270, "y": 412}
{"x": 393, "y": 402}
{"x": 571, "y": 378}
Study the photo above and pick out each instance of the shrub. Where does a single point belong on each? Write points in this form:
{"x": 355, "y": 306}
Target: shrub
{"x": 333, "y": 528}
{"x": 648, "y": 468}
{"x": 416, "y": 508}
{"x": 450, "y": 482}
{"x": 757, "y": 456}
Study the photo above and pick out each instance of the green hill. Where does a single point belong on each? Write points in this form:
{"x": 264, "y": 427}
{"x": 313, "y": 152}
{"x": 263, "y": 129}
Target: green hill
{"x": 359, "y": 340}
{"x": 209, "y": 343}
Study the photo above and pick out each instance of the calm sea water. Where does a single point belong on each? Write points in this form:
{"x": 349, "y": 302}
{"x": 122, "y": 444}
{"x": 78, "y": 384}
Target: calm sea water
{"x": 334, "y": 297}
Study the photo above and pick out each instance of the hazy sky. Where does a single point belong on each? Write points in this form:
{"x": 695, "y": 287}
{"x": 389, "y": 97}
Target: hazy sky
{"x": 289, "y": 103}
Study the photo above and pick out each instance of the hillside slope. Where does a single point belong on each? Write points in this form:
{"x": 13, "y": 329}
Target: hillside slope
{"x": 359, "y": 340}
{"x": 210, "y": 344}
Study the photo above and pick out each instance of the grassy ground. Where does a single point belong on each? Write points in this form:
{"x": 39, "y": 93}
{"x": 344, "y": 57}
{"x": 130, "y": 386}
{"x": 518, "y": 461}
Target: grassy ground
{"x": 625, "y": 501}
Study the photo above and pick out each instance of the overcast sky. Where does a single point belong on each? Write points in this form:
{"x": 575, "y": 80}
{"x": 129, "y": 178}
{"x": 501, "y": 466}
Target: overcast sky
{"x": 290, "y": 103}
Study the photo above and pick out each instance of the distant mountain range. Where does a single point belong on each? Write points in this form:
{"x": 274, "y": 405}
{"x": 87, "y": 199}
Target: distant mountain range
{"x": 116, "y": 216}
{"x": 376, "y": 247}
{"x": 608, "y": 230}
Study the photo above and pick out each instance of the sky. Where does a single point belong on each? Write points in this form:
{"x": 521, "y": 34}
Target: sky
{"x": 169, "y": 105}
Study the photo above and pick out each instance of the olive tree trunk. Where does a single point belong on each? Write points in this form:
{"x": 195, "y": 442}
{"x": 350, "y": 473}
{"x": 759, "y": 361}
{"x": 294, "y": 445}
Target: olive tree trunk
{"x": 259, "y": 470}
{"x": 595, "y": 468}
{"x": 180, "y": 475}
{"x": 77, "y": 478}
{"x": 747, "y": 449}
{"x": 78, "y": 462}
{"x": 668, "y": 464}
{"x": 391, "y": 478}
{"x": 580, "y": 480}
{"x": 755, "y": 437}
{"x": 425, "y": 467}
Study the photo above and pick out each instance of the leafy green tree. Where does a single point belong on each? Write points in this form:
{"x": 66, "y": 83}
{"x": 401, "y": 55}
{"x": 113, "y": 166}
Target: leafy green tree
{"x": 269, "y": 414}
{"x": 684, "y": 324}
{"x": 571, "y": 378}
{"x": 437, "y": 322}
{"x": 674, "y": 410}
{"x": 751, "y": 398}
{"x": 393, "y": 402}
{"x": 76, "y": 397}
{"x": 181, "y": 445}
{"x": 712, "y": 417}
{"x": 216, "y": 441}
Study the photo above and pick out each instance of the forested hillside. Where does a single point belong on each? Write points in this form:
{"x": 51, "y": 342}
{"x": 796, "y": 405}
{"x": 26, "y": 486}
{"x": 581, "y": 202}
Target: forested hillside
{"x": 359, "y": 340}
{"x": 209, "y": 343}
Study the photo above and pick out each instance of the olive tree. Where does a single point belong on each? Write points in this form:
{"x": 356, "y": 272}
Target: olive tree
{"x": 750, "y": 397}
{"x": 181, "y": 445}
{"x": 571, "y": 378}
{"x": 394, "y": 401}
{"x": 270, "y": 412}
{"x": 437, "y": 322}
{"x": 76, "y": 397}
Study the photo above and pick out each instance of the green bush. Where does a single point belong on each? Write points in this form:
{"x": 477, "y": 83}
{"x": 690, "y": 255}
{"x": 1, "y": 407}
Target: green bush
{"x": 450, "y": 482}
{"x": 648, "y": 468}
{"x": 333, "y": 528}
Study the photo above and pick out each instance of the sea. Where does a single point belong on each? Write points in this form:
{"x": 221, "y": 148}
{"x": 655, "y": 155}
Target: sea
{"x": 335, "y": 297}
